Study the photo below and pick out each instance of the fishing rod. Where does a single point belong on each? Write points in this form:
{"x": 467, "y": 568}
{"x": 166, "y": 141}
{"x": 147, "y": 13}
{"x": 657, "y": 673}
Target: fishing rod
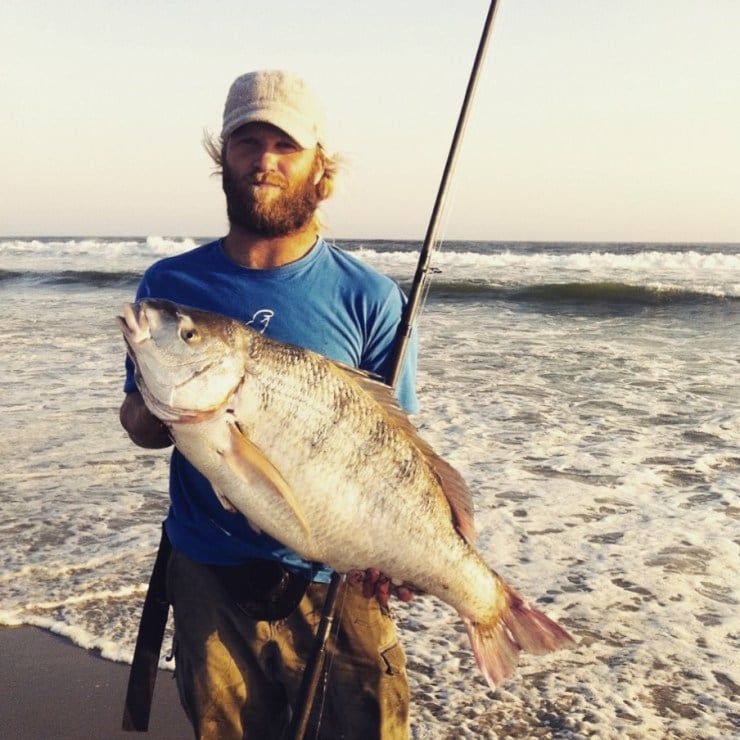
{"x": 315, "y": 664}
{"x": 421, "y": 278}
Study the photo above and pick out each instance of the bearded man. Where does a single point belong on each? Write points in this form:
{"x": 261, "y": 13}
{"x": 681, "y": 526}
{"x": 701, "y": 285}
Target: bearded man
{"x": 246, "y": 607}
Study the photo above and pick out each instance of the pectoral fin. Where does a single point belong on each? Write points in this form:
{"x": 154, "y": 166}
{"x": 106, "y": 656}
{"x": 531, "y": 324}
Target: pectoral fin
{"x": 247, "y": 461}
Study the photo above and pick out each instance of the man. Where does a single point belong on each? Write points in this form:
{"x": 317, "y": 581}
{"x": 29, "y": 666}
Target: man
{"x": 245, "y": 606}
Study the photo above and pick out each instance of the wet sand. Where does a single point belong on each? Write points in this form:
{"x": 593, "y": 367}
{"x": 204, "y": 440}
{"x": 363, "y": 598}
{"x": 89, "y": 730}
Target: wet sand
{"x": 54, "y": 690}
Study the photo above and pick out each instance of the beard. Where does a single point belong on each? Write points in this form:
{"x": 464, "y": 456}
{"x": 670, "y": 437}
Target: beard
{"x": 273, "y": 213}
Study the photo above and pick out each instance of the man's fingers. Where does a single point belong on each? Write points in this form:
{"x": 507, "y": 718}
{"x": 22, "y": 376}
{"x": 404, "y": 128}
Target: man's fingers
{"x": 355, "y": 577}
{"x": 403, "y": 593}
{"x": 383, "y": 590}
{"x": 370, "y": 583}
{"x": 376, "y": 585}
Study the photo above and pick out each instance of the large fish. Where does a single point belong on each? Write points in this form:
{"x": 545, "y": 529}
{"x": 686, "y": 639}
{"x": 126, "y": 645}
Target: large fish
{"x": 320, "y": 456}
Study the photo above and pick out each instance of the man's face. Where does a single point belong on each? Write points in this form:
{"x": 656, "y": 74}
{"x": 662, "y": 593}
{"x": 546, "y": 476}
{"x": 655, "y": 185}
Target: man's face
{"x": 269, "y": 181}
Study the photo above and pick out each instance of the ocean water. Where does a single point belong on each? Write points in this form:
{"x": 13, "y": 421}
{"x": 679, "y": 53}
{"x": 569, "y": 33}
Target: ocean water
{"x": 589, "y": 394}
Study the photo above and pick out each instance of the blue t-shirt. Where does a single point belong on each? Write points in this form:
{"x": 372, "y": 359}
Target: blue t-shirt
{"x": 328, "y": 302}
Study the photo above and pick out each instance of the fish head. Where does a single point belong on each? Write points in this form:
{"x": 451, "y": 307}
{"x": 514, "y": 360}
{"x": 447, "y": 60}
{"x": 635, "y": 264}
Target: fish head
{"x": 188, "y": 363}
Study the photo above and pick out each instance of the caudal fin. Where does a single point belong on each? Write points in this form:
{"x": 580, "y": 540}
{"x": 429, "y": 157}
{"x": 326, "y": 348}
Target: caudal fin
{"x": 517, "y": 627}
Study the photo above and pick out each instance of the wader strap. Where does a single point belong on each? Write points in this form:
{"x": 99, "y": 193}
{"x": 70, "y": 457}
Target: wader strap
{"x": 145, "y": 664}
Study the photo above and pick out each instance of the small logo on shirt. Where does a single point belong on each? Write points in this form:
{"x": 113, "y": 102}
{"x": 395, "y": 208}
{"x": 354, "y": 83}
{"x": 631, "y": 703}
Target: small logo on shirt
{"x": 261, "y": 319}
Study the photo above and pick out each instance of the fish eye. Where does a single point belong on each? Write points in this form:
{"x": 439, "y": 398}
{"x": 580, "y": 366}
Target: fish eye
{"x": 189, "y": 335}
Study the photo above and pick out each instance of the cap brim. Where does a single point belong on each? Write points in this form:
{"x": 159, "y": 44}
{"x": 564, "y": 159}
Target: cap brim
{"x": 283, "y": 120}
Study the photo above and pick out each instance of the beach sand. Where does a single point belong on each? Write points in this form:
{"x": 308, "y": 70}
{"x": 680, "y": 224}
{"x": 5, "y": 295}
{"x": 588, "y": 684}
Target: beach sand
{"x": 53, "y": 690}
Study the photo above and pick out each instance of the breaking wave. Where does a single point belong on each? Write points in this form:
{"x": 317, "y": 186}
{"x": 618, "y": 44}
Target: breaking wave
{"x": 571, "y": 293}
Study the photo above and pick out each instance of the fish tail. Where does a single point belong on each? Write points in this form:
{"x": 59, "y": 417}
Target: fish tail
{"x": 518, "y": 626}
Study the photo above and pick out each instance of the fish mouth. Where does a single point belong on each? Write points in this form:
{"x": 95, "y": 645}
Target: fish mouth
{"x": 134, "y": 324}
{"x": 137, "y": 330}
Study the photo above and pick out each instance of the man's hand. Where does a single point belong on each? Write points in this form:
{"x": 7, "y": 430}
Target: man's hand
{"x": 145, "y": 429}
{"x": 378, "y": 586}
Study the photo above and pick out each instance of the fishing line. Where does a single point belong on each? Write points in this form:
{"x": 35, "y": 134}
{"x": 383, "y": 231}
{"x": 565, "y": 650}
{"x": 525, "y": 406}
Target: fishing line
{"x": 437, "y": 249}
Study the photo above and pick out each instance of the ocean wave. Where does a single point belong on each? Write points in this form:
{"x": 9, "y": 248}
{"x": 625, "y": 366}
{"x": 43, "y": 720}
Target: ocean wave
{"x": 614, "y": 293}
{"x": 583, "y": 292}
{"x": 84, "y": 278}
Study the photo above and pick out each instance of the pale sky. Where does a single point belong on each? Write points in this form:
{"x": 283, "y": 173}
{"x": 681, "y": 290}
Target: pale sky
{"x": 593, "y": 119}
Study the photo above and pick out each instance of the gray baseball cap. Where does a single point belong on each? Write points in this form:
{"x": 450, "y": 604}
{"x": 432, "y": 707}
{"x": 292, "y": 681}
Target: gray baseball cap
{"x": 279, "y": 98}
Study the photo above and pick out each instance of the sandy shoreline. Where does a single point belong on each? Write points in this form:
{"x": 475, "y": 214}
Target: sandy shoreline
{"x": 54, "y": 690}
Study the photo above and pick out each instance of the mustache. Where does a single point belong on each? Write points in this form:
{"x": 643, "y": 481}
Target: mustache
{"x": 266, "y": 178}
